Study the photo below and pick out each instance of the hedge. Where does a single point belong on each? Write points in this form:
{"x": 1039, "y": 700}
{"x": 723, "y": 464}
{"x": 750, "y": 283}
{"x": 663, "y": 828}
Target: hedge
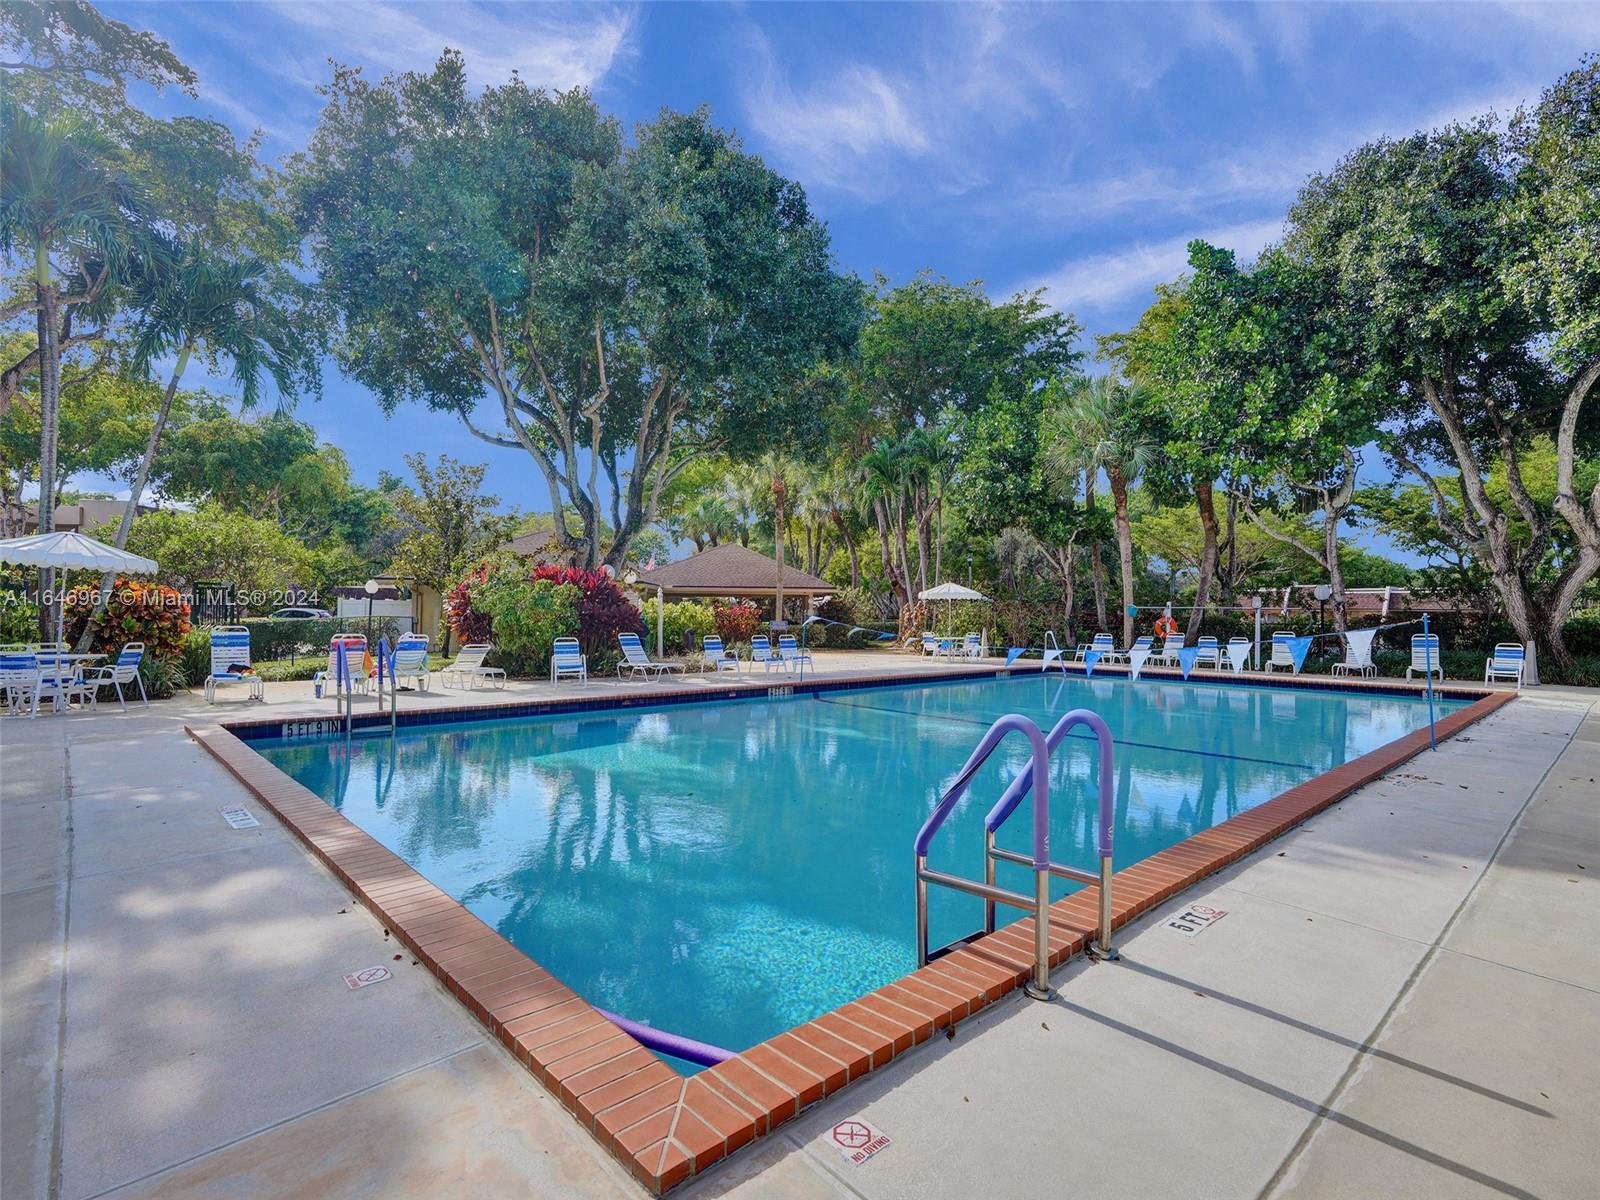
{"x": 275, "y": 637}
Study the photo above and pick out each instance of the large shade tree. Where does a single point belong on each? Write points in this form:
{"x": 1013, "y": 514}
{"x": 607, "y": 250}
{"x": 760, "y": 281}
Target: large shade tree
{"x": 602, "y": 304}
{"x": 1472, "y": 257}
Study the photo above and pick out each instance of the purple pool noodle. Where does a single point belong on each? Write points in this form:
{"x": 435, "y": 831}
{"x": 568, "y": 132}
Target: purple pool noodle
{"x": 701, "y": 1054}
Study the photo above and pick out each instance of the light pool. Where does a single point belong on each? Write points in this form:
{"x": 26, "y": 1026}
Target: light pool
{"x": 727, "y": 870}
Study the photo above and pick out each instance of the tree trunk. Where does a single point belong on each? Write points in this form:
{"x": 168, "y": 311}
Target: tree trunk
{"x": 1097, "y": 563}
{"x": 849, "y": 545}
{"x": 1119, "y": 498}
{"x": 49, "y": 429}
{"x": 886, "y": 550}
{"x": 1230, "y": 538}
{"x": 1208, "y": 559}
{"x": 779, "y": 534}
{"x": 1330, "y": 550}
{"x": 141, "y": 477}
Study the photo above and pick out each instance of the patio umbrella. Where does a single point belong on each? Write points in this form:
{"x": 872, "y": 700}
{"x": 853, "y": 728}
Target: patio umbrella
{"x": 72, "y": 550}
{"x": 951, "y": 592}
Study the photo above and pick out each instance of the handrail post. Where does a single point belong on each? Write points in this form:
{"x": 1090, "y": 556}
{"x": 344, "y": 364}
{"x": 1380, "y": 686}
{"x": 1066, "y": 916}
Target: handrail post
{"x": 922, "y": 910}
{"x": 989, "y": 879}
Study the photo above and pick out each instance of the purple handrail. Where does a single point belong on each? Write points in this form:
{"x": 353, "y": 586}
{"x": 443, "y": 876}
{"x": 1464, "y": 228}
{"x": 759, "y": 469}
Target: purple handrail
{"x": 1038, "y": 769}
{"x": 1020, "y": 786}
{"x": 702, "y": 1054}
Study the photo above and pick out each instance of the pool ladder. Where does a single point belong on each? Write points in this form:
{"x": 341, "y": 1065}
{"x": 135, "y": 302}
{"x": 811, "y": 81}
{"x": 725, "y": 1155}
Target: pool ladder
{"x": 344, "y": 685}
{"x": 1035, "y": 777}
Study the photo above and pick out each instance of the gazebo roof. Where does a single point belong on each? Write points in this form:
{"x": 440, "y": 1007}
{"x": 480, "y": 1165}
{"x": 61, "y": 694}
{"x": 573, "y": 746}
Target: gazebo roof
{"x": 731, "y": 570}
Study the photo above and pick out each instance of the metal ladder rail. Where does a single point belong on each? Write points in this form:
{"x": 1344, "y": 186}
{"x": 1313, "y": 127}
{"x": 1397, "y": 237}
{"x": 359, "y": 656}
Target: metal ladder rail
{"x": 344, "y": 688}
{"x": 1053, "y": 652}
{"x": 1039, "y": 770}
{"x": 1013, "y": 795}
{"x": 386, "y": 658}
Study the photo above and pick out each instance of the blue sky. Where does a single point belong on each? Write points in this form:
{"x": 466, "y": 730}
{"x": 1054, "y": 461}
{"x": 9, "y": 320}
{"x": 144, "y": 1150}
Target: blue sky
{"x": 1075, "y": 148}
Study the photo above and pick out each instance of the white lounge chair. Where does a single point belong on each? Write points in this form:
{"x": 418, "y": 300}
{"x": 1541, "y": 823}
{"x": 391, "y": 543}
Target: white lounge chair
{"x": 1425, "y": 651}
{"x": 930, "y": 645}
{"x": 1210, "y": 653}
{"x": 1167, "y": 656}
{"x": 124, "y": 670}
{"x": 1282, "y": 652}
{"x": 761, "y": 652}
{"x": 567, "y": 661}
{"x": 790, "y": 650}
{"x": 230, "y": 650}
{"x": 410, "y": 660}
{"x": 1106, "y": 645}
{"x": 1505, "y": 663}
{"x": 972, "y": 646}
{"x": 717, "y": 658}
{"x": 1356, "y": 662}
{"x": 636, "y": 662}
{"x": 468, "y": 665}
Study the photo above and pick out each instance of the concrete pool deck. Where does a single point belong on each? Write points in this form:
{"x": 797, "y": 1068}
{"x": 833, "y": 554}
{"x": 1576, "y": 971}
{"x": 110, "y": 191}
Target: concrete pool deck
{"x": 176, "y": 1023}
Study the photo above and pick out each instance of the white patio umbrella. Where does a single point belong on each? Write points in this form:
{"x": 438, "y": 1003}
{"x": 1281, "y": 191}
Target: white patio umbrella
{"x": 951, "y": 592}
{"x": 72, "y": 550}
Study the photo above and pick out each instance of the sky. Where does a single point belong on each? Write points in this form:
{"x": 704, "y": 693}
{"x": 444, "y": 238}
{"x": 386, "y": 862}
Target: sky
{"x": 1075, "y": 148}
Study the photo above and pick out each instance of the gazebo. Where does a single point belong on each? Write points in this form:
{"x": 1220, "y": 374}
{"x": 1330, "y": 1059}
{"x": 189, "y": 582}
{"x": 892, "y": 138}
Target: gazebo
{"x": 730, "y": 570}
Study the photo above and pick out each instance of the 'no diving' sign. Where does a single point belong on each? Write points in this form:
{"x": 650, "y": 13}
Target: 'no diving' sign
{"x": 857, "y": 1140}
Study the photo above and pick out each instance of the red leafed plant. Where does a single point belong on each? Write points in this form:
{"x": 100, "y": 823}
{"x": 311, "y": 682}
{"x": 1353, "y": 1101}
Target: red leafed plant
{"x": 144, "y": 612}
{"x": 603, "y": 610}
{"x": 737, "y": 622}
{"x": 468, "y": 624}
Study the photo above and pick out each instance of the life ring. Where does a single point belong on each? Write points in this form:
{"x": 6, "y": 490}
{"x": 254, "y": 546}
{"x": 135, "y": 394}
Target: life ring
{"x": 1166, "y": 627}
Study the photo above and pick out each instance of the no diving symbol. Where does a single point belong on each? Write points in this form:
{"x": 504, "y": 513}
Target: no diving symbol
{"x": 851, "y": 1134}
{"x": 858, "y": 1140}
{"x": 361, "y": 979}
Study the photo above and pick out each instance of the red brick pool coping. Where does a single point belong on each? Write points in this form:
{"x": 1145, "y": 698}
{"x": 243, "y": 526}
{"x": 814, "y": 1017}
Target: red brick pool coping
{"x": 665, "y": 1127}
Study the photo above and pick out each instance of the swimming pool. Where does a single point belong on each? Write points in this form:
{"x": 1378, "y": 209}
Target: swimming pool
{"x": 728, "y": 870}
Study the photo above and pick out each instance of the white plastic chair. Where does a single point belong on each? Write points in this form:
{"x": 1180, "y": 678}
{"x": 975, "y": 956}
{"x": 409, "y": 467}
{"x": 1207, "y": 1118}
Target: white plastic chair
{"x": 124, "y": 670}
{"x": 410, "y": 660}
{"x": 567, "y": 661}
{"x": 1506, "y": 663}
{"x": 789, "y": 648}
{"x": 761, "y": 652}
{"x": 1356, "y": 662}
{"x": 636, "y": 662}
{"x": 1210, "y": 653}
{"x": 468, "y": 665}
{"x": 1282, "y": 652}
{"x": 1244, "y": 660}
{"x": 19, "y": 679}
{"x": 717, "y": 658}
{"x": 1168, "y": 654}
{"x": 230, "y": 650}
{"x": 1425, "y": 649}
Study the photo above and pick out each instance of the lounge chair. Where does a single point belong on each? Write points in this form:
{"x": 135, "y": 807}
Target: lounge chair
{"x": 636, "y": 662}
{"x": 930, "y": 645}
{"x": 1210, "y": 652}
{"x": 230, "y": 650}
{"x": 1282, "y": 652}
{"x": 124, "y": 670}
{"x": 567, "y": 661}
{"x": 1146, "y": 643}
{"x": 761, "y": 652}
{"x": 789, "y": 648}
{"x": 972, "y": 646}
{"x": 1167, "y": 656}
{"x": 410, "y": 660}
{"x": 468, "y": 666}
{"x": 1356, "y": 662}
{"x": 1425, "y": 651}
{"x": 355, "y": 663}
{"x": 1106, "y": 645}
{"x": 1506, "y": 662}
{"x": 1244, "y": 662}
{"x": 717, "y": 658}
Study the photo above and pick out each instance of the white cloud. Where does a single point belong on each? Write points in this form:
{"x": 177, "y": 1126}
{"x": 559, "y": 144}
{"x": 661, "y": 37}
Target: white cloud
{"x": 1102, "y": 281}
{"x": 554, "y": 46}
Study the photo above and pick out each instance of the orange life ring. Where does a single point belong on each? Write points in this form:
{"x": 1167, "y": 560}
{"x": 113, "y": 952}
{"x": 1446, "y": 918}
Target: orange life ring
{"x": 1166, "y": 627}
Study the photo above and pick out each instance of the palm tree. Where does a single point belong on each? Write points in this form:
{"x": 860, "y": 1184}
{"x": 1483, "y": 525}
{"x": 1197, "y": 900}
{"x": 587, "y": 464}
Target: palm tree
{"x": 61, "y": 192}
{"x": 883, "y": 475}
{"x": 1090, "y": 428}
{"x": 224, "y": 308}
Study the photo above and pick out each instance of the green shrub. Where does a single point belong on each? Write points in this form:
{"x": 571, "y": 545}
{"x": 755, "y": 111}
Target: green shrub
{"x": 287, "y": 670}
{"x": 528, "y": 616}
{"x": 272, "y": 638}
{"x": 19, "y": 618}
{"x": 195, "y": 655}
{"x": 163, "y": 677}
{"x": 688, "y": 616}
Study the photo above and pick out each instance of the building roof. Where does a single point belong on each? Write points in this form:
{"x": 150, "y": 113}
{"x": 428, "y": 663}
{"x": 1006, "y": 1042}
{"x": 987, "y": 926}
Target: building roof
{"x": 731, "y": 570}
{"x": 536, "y": 542}
{"x": 82, "y": 516}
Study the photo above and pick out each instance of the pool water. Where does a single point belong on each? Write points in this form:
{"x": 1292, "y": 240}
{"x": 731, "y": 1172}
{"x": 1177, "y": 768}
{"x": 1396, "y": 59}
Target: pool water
{"x": 727, "y": 870}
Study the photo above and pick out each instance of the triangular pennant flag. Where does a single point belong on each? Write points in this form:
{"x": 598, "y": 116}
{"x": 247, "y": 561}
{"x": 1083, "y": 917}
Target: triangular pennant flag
{"x": 1090, "y": 657}
{"x": 1187, "y": 657}
{"x": 1299, "y": 647}
{"x": 1361, "y": 645}
{"x": 1238, "y": 655}
{"x": 1136, "y": 659}
{"x": 1015, "y": 653}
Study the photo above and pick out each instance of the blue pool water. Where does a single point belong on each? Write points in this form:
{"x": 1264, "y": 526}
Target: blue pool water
{"x": 728, "y": 870}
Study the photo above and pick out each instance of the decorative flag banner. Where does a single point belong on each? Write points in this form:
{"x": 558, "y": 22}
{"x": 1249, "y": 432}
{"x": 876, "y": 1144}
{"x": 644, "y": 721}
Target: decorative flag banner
{"x": 1015, "y": 653}
{"x": 1136, "y": 658}
{"x": 1090, "y": 657}
{"x": 1238, "y": 655}
{"x": 1299, "y": 647}
{"x": 1187, "y": 657}
{"x": 1360, "y": 644}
